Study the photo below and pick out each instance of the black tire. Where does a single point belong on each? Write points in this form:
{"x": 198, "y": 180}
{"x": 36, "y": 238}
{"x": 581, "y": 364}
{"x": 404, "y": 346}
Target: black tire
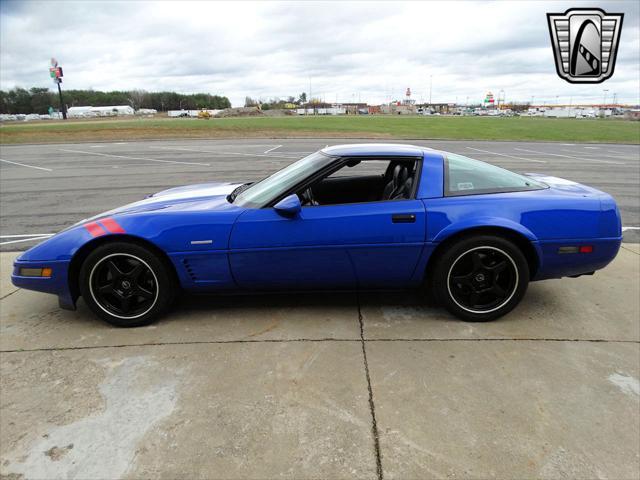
{"x": 480, "y": 278}
{"x": 126, "y": 284}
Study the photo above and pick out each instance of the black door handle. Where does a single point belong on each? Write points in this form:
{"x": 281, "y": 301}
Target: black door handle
{"x": 403, "y": 218}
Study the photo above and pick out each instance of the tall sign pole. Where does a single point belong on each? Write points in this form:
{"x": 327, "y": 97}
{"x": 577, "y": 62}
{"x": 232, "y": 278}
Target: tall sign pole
{"x": 56, "y": 74}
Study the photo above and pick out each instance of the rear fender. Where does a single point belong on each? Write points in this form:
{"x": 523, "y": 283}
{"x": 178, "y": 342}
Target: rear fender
{"x": 483, "y": 222}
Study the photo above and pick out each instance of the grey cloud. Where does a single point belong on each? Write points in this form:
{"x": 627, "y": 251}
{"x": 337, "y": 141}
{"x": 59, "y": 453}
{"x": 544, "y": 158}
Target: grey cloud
{"x": 348, "y": 49}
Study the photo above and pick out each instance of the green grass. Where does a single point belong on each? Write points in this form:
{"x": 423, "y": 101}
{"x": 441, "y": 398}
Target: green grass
{"x": 471, "y": 128}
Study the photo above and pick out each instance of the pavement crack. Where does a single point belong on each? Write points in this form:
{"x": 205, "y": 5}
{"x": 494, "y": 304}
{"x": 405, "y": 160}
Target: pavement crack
{"x": 629, "y": 250}
{"x": 505, "y": 339}
{"x": 372, "y": 407}
{"x": 195, "y": 342}
{"x": 8, "y": 294}
{"x": 312, "y": 340}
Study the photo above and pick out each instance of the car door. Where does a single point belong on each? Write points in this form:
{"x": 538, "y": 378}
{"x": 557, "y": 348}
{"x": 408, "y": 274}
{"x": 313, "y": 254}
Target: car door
{"x": 370, "y": 245}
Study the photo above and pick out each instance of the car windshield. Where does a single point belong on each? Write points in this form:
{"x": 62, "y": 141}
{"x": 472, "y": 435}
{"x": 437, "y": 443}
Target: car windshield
{"x": 259, "y": 194}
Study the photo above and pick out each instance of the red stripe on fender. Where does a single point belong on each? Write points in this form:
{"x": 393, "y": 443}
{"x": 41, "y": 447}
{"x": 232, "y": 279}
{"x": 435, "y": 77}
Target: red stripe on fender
{"x": 111, "y": 225}
{"x": 94, "y": 229}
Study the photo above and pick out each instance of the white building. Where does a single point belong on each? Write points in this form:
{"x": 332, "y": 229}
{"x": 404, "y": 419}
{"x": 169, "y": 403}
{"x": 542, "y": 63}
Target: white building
{"x": 76, "y": 112}
{"x": 111, "y": 110}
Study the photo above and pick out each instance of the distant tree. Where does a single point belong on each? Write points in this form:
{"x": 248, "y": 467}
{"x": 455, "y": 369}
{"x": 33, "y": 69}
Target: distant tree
{"x": 41, "y": 100}
{"x": 137, "y": 98}
{"x": 18, "y": 100}
{"x": 250, "y": 102}
{"x": 302, "y": 98}
{"x": 38, "y": 100}
{"x": 520, "y": 107}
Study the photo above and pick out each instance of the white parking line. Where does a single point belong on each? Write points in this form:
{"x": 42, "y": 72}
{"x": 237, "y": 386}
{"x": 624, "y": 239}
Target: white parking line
{"x": 620, "y": 156}
{"x": 624, "y": 229}
{"x": 134, "y": 158}
{"x": 621, "y": 153}
{"x": 224, "y": 153}
{"x": 571, "y": 156}
{"x": 508, "y": 156}
{"x": 28, "y": 166}
{"x": 272, "y": 149}
{"x": 32, "y": 239}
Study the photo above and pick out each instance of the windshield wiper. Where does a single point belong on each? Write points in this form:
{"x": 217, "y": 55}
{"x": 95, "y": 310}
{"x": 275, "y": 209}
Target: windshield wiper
{"x": 237, "y": 191}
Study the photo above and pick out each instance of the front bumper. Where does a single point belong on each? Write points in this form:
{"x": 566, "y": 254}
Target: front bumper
{"x": 56, "y": 284}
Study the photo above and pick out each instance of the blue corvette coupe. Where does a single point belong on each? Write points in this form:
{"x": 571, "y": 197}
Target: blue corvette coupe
{"x": 347, "y": 217}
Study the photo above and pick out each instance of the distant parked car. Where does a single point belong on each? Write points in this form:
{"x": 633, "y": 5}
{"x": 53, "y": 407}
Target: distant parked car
{"x": 347, "y": 217}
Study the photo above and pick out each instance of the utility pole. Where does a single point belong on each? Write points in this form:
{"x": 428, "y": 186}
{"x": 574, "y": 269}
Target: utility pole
{"x": 310, "y": 96}
{"x": 430, "y": 87}
{"x": 62, "y": 106}
{"x": 55, "y": 72}
{"x": 604, "y": 97}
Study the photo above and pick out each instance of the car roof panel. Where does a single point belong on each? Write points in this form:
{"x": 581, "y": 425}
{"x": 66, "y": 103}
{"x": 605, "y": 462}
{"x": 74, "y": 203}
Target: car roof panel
{"x": 375, "y": 150}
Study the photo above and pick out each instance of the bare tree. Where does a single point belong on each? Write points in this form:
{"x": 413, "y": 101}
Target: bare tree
{"x": 137, "y": 98}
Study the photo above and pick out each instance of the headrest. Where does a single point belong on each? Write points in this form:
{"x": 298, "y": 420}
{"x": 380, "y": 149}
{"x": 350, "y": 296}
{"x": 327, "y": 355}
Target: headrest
{"x": 404, "y": 174}
{"x": 396, "y": 173}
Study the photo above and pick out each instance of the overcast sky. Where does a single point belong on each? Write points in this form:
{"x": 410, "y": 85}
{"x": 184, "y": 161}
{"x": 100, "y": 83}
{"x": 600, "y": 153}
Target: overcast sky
{"x": 368, "y": 51}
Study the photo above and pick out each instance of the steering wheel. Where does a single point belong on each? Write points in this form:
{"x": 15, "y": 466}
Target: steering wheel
{"x": 307, "y": 197}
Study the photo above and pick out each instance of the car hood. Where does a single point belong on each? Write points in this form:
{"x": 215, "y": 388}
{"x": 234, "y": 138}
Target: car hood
{"x": 195, "y": 191}
{"x": 210, "y": 196}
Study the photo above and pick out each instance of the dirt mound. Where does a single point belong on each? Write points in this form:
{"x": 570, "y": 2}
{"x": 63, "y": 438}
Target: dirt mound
{"x": 240, "y": 112}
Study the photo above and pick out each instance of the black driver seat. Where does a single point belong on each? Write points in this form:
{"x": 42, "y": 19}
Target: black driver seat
{"x": 399, "y": 184}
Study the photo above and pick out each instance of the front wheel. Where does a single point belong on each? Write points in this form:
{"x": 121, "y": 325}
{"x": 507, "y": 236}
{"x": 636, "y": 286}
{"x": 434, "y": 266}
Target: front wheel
{"x": 481, "y": 278}
{"x": 125, "y": 284}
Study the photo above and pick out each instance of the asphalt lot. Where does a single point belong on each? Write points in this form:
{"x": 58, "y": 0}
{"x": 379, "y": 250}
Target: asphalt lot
{"x": 49, "y": 187}
{"x": 327, "y": 386}
{"x": 316, "y": 385}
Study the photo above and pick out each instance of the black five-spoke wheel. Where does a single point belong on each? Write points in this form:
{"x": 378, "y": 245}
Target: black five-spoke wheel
{"x": 480, "y": 278}
{"x": 127, "y": 284}
{"x": 124, "y": 285}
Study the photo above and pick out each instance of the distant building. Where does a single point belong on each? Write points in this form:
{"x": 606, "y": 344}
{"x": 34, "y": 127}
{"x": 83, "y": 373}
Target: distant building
{"x": 398, "y": 108}
{"x": 87, "y": 111}
{"x": 355, "y": 108}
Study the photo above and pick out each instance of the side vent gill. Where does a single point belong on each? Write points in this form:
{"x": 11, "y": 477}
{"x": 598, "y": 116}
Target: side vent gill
{"x": 189, "y": 269}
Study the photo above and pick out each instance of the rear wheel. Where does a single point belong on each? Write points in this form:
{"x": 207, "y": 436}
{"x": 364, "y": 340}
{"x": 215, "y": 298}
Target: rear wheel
{"x": 481, "y": 278}
{"x": 126, "y": 284}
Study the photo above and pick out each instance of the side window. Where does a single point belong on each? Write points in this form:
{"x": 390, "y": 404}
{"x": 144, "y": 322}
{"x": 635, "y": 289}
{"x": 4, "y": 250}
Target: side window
{"x": 366, "y": 167}
{"x": 465, "y": 176}
{"x": 362, "y": 180}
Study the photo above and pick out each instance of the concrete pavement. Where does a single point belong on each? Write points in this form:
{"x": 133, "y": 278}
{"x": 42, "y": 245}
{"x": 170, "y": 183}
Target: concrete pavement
{"x": 327, "y": 386}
